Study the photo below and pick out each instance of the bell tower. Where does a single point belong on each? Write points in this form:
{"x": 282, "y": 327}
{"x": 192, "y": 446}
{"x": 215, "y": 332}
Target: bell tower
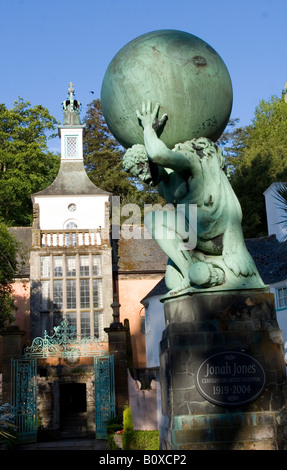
{"x": 71, "y": 264}
{"x": 71, "y": 132}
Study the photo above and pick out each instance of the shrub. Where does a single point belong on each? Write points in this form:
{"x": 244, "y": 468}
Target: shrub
{"x": 7, "y": 427}
{"x": 114, "y": 425}
{"x": 128, "y": 428}
{"x": 128, "y": 419}
{"x": 137, "y": 440}
{"x": 144, "y": 440}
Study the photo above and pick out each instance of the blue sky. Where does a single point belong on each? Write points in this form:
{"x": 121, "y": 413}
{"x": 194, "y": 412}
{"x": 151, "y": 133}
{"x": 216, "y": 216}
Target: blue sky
{"x": 47, "y": 44}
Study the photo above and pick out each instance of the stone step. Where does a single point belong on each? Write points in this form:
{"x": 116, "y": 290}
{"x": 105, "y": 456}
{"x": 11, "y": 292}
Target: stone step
{"x": 74, "y": 421}
{"x": 69, "y": 444}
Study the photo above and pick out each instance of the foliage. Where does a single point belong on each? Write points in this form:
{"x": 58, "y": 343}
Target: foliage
{"x": 232, "y": 141}
{"x": 111, "y": 442}
{"x": 9, "y": 248}
{"x": 144, "y": 440}
{"x": 103, "y": 158}
{"x": 26, "y": 165}
{"x": 257, "y": 158}
{"x": 137, "y": 440}
{"x": 128, "y": 419}
{"x": 114, "y": 426}
{"x": 115, "y": 423}
{"x": 128, "y": 426}
{"x": 126, "y": 430}
{"x": 7, "y": 427}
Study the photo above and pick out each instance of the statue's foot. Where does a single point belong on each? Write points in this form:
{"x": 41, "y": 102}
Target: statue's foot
{"x": 200, "y": 274}
{"x": 184, "y": 285}
{"x": 205, "y": 275}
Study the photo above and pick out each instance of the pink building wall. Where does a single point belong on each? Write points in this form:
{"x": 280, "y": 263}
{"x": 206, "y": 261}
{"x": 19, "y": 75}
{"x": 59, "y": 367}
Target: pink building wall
{"x": 21, "y": 293}
{"x": 131, "y": 292}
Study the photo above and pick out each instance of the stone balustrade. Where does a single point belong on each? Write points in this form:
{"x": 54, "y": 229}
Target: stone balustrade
{"x": 62, "y": 238}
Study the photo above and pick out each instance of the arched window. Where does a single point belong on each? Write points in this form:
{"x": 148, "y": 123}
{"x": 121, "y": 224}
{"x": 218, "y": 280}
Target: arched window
{"x": 71, "y": 224}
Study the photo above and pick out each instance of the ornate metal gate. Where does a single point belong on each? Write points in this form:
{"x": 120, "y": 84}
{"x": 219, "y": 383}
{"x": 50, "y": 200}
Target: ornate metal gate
{"x": 64, "y": 343}
{"x": 104, "y": 393}
{"x": 24, "y": 398}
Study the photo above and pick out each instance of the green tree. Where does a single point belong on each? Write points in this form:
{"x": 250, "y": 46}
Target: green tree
{"x": 26, "y": 165}
{"x": 258, "y": 158}
{"x": 9, "y": 253}
{"x": 103, "y": 158}
{"x": 232, "y": 141}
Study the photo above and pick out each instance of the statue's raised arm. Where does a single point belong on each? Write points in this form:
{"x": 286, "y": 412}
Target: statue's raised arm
{"x": 157, "y": 151}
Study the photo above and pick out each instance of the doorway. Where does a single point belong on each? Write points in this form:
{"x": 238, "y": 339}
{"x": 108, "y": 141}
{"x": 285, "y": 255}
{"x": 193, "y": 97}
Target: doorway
{"x": 73, "y": 409}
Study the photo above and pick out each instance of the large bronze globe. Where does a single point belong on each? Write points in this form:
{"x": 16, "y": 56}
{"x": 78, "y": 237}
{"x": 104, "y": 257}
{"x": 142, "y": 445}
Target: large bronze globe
{"x": 179, "y": 71}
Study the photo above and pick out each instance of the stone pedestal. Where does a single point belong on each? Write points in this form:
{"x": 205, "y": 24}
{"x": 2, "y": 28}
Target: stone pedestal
{"x": 118, "y": 339}
{"x": 229, "y": 326}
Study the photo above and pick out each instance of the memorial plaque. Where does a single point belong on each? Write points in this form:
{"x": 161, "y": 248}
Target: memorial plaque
{"x": 230, "y": 378}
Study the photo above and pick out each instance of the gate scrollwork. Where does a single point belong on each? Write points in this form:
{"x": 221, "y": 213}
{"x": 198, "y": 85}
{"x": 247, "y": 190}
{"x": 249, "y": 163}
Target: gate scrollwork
{"x": 64, "y": 343}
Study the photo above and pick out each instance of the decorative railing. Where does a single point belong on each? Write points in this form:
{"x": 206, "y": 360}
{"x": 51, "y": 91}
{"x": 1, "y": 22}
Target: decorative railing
{"x": 62, "y": 238}
{"x": 64, "y": 343}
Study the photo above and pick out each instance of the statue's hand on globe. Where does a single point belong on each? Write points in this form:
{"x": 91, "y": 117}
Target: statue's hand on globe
{"x": 149, "y": 118}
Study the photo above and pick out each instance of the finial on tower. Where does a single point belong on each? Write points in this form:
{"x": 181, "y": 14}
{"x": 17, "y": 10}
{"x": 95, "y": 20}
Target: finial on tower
{"x": 71, "y": 93}
{"x": 71, "y": 108}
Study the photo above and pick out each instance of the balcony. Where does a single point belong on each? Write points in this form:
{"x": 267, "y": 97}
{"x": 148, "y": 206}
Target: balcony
{"x": 68, "y": 238}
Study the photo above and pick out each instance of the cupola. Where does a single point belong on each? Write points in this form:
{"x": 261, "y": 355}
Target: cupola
{"x": 71, "y": 132}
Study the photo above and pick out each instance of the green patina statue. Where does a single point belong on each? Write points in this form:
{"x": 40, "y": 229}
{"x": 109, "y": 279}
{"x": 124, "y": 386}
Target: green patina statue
{"x": 193, "y": 174}
{"x": 178, "y": 155}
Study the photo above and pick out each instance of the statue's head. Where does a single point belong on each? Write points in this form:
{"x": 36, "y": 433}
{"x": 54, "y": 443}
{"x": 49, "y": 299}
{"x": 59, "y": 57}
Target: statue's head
{"x": 136, "y": 163}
